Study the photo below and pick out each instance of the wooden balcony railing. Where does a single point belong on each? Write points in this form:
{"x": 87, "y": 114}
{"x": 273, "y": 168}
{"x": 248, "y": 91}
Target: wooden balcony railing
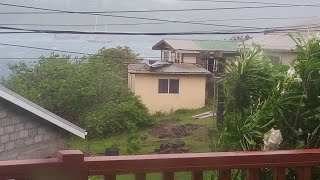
{"x": 72, "y": 165}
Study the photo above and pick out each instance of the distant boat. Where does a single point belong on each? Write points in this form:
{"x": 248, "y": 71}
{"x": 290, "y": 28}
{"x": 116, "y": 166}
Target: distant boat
{"x": 66, "y": 37}
{"x": 98, "y": 39}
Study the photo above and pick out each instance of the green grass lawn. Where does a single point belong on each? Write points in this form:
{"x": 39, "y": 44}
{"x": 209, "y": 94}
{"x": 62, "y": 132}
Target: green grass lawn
{"x": 199, "y": 141}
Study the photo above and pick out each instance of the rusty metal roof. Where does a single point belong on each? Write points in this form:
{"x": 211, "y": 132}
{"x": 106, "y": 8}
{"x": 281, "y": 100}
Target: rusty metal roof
{"x": 174, "y": 68}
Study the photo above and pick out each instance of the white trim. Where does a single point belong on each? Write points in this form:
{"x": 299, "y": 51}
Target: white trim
{"x": 41, "y": 112}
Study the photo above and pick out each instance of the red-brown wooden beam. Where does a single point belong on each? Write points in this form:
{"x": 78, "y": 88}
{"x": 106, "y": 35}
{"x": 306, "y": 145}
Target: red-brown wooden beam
{"x": 305, "y": 173}
{"x": 225, "y": 174}
{"x": 202, "y": 161}
{"x": 279, "y": 174}
{"x": 197, "y": 175}
{"x": 168, "y": 176}
{"x": 252, "y": 174}
{"x": 110, "y": 177}
{"x": 141, "y": 176}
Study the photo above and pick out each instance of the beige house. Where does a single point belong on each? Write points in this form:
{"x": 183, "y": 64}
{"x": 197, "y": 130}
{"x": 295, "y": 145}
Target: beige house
{"x": 278, "y": 46}
{"x": 206, "y": 53}
{"x": 166, "y": 87}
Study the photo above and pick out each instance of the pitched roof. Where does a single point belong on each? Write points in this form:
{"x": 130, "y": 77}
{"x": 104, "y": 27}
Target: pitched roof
{"x": 41, "y": 112}
{"x": 197, "y": 45}
{"x": 281, "y": 41}
{"x": 275, "y": 42}
{"x": 173, "y": 68}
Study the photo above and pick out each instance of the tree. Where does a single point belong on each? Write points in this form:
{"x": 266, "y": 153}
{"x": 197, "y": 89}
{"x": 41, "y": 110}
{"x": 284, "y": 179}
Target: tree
{"x": 89, "y": 91}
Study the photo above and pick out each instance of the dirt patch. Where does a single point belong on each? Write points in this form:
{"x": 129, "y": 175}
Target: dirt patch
{"x": 185, "y": 130}
{"x": 172, "y": 146}
{"x": 165, "y": 130}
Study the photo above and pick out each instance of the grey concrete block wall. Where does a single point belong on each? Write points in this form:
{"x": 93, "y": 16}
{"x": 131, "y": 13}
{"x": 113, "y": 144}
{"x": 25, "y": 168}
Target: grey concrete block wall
{"x": 23, "y": 135}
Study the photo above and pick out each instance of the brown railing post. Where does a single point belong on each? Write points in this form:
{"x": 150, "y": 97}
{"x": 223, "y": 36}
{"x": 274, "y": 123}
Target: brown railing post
{"x": 252, "y": 174}
{"x": 168, "y": 176}
{"x": 305, "y": 173}
{"x": 110, "y": 177}
{"x": 279, "y": 174}
{"x": 225, "y": 174}
{"x": 72, "y": 165}
{"x": 197, "y": 175}
{"x": 141, "y": 176}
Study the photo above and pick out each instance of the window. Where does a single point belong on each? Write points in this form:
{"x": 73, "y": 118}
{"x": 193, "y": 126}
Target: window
{"x": 178, "y": 58}
{"x": 275, "y": 60}
{"x": 174, "y": 86}
{"x": 163, "y": 85}
{"x": 166, "y": 55}
{"x": 168, "y": 86}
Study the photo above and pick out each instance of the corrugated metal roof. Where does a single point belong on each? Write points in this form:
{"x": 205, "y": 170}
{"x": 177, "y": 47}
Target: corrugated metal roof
{"x": 40, "y": 111}
{"x": 174, "y": 68}
{"x": 197, "y": 45}
{"x": 216, "y": 45}
{"x": 281, "y": 42}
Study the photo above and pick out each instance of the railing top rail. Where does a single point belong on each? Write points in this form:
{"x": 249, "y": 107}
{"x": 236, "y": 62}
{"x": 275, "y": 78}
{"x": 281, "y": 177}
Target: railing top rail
{"x": 203, "y": 161}
{"x": 166, "y": 162}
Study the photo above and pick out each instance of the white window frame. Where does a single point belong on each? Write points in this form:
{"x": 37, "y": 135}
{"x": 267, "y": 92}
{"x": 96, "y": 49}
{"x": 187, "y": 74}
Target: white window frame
{"x": 168, "y": 90}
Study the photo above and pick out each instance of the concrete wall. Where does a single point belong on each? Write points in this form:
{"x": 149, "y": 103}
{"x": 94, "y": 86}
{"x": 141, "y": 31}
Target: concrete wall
{"x": 190, "y": 58}
{"x": 192, "y": 92}
{"x": 26, "y": 136}
{"x": 131, "y": 81}
{"x": 286, "y": 57}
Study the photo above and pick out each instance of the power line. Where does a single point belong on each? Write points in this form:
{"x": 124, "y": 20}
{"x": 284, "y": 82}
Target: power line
{"x": 36, "y": 58}
{"x": 56, "y": 50}
{"x": 271, "y": 5}
{"x": 238, "y": 31}
{"x": 70, "y": 25}
{"x": 241, "y": 2}
{"x": 129, "y": 17}
{"x": 46, "y": 49}
{"x": 151, "y": 23}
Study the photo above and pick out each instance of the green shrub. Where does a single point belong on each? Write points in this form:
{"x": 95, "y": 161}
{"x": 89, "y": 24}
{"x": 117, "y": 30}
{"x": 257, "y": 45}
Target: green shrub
{"x": 133, "y": 141}
{"x": 114, "y": 116}
{"x": 259, "y": 97}
{"x": 90, "y": 91}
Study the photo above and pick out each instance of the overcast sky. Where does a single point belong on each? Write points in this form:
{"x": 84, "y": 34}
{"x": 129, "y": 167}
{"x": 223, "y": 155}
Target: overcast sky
{"x": 141, "y": 45}
{"x": 107, "y": 5}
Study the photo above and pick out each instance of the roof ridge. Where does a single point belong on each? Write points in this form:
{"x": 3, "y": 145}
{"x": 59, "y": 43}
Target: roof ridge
{"x": 199, "y": 39}
{"x": 36, "y": 109}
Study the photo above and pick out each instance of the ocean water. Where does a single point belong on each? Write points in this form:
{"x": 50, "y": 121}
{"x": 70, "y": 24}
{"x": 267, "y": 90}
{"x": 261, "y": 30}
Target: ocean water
{"x": 140, "y": 44}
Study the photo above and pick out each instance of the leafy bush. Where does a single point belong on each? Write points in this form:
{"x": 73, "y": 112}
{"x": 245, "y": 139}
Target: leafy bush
{"x": 133, "y": 141}
{"x": 259, "y": 97}
{"x": 90, "y": 91}
{"x": 112, "y": 117}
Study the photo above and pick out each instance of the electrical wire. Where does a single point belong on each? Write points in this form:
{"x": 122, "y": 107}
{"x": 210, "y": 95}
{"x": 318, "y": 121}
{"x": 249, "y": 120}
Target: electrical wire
{"x": 240, "y": 2}
{"x": 128, "y": 17}
{"x": 276, "y": 5}
{"x": 36, "y": 58}
{"x": 58, "y": 50}
{"x": 46, "y": 49}
{"x": 152, "y": 23}
{"x": 37, "y": 31}
{"x": 238, "y": 31}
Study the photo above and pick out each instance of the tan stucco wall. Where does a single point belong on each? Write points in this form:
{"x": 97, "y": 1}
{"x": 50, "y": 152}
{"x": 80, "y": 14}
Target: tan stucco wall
{"x": 286, "y": 57}
{"x": 131, "y": 81}
{"x": 191, "y": 93}
{"x": 190, "y": 58}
